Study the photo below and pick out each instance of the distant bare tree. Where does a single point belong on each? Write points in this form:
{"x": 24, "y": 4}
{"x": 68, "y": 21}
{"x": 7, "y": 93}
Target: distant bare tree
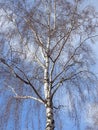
{"x": 44, "y": 51}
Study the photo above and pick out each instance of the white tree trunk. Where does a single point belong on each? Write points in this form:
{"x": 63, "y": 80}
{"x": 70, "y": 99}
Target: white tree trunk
{"x": 49, "y": 115}
{"x": 47, "y": 92}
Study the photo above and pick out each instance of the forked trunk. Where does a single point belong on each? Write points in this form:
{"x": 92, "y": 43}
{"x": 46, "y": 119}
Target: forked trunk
{"x": 49, "y": 115}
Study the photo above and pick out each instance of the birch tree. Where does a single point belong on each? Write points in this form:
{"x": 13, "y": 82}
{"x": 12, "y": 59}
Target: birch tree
{"x": 46, "y": 46}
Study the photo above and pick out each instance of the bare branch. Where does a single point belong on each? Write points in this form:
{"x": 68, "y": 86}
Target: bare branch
{"x": 71, "y": 57}
{"x": 37, "y": 37}
{"x": 59, "y": 107}
{"x": 57, "y": 87}
{"x": 68, "y": 34}
{"x": 24, "y": 97}
{"x": 54, "y": 14}
{"x": 60, "y": 83}
{"x": 23, "y": 80}
{"x": 13, "y": 90}
{"x": 38, "y": 60}
{"x": 29, "y": 83}
{"x": 29, "y": 97}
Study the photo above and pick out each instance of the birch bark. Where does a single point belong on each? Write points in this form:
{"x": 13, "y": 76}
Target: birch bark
{"x": 47, "y": 92}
